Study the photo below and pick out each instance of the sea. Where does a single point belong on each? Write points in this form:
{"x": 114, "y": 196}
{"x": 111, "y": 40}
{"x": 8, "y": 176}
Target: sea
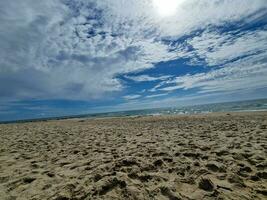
{"x": 239, "y": 106}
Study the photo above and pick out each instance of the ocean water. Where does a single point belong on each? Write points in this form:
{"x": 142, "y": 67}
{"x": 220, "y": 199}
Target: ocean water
{"x": 241, "y": 106}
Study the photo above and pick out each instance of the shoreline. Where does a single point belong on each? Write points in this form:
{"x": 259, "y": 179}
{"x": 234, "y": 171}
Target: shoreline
{"x": 127, "y": 116}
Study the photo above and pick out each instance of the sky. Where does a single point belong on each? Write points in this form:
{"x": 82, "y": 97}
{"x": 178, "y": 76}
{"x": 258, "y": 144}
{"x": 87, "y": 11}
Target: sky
{"x": 67, "y": 57}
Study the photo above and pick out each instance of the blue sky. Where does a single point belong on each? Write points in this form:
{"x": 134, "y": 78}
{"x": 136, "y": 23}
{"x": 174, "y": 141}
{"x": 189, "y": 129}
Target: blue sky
{"x": 63, "y": 57}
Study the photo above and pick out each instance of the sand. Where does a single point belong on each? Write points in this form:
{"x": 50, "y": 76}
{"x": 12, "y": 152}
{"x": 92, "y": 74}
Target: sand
{"x": 211, "y": 156}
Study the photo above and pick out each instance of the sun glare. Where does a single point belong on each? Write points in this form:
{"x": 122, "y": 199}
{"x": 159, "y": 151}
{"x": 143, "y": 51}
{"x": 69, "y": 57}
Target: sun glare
{"x": 166, "y": 8}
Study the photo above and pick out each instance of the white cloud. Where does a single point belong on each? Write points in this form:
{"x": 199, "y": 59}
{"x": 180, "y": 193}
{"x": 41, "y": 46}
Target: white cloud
{"x": 245, "y": 74}
{"x": 144, "y": 78}
{"x": 75, "y": 49}
{"x": 217, "y": 48}
{"x": 156, "y": 95}
{"x": 131, "y": 97}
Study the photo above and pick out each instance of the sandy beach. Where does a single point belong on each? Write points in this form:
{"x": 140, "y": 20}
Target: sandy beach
{"x": 210, "y": 156}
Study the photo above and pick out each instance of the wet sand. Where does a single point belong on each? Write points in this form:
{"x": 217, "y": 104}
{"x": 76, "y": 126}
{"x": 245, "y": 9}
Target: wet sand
{"x": 211, "y": 156}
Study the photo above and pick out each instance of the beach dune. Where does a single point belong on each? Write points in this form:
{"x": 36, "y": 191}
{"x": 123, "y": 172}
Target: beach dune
{"x": 209, "y": 156}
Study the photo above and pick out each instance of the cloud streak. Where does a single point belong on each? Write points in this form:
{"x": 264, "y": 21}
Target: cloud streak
{"x": 145, "y": 78}
{"x": 244, "y": 74}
